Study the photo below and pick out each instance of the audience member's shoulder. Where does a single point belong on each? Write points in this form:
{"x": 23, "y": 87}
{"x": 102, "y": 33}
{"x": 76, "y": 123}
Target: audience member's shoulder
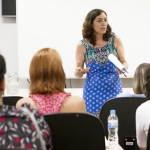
{"x": 124, "y": 94}
{"x": 73, "y": 104}
{"x": 26, "y": 100}
{"x": 139, "y": 95}
{"x": 75, "y": 99}
{"x": 144, "y": 107}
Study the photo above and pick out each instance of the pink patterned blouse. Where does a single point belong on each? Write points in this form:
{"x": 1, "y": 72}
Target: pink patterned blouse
{"x": 49, "y": 103}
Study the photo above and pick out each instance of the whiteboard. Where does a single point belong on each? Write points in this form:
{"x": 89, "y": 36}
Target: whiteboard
{"x": 58, "y": 24}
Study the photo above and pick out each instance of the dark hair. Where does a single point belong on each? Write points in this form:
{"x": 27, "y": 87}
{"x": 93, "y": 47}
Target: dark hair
{"x": 147, "y": 83}
{"x": 2, "y": 68}
{"x": 88, "y": 31}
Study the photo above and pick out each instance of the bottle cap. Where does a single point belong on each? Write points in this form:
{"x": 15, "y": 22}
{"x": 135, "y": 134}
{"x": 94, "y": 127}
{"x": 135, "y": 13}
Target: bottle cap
{"x": 112, "y": 111}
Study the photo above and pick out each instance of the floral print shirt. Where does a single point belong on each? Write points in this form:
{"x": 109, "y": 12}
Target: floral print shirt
{"x": 49, "y": 103}
{"x": 18, "y": 131}
{"x": 99, "y": 54}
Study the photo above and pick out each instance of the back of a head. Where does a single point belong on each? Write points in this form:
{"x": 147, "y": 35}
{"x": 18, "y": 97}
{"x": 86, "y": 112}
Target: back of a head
{"x": 147, "y": 83}
{"x": 46, "y": 72}
{"x": 2, "y": 68}
{"x": 138, "y": 80}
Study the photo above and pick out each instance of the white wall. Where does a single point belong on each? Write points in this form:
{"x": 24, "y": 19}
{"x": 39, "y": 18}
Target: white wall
{"x": 57, "y": 24}
{"x": 8, "y": 48}
{"x": 8, "y": 45}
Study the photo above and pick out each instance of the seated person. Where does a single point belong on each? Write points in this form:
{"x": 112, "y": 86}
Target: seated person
{"x": 47, "y": 85}
{"x": 143, "y": 115}
{"x": 138, "y": 82}
{"x": 16, "y": 128}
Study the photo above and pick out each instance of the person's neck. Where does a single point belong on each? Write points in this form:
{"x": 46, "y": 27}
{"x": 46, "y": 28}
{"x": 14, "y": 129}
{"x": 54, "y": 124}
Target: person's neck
{"x": 99, "y": 37}
{"x": 1, "y": 99}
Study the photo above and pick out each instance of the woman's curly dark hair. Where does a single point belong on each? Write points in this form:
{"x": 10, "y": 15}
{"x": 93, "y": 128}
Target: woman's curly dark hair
{"x": 147, "y": 83}
{"x": 88, "y": 31}
{"x": 2, "y": 68}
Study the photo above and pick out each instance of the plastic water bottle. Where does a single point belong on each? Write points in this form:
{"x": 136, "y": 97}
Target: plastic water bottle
{"x": 113, "y": 129}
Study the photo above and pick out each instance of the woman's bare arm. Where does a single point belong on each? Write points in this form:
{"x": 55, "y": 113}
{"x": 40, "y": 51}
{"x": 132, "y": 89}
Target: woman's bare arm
{"x": 26, "y": 100}
{"x": 80, "y": 52}
{"x": 120, "y": 51}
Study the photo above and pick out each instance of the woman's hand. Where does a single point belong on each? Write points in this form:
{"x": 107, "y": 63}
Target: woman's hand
{"x": 79, "y": 71}
{"x": 125, "y": 66}
{"x": 119, "y": 71}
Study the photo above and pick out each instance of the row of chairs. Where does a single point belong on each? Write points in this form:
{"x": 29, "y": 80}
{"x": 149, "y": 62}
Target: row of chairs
{"x": 85, "y": 131}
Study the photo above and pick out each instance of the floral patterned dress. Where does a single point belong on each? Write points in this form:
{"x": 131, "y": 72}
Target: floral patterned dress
{"x": 18, "y": 131}
{"x": 102, "y": 81}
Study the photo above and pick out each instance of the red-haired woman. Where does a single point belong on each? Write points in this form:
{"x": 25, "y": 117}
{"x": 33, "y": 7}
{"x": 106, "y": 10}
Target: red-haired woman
{"x": 17, "y": 129}
{"x": 47, "y": 85}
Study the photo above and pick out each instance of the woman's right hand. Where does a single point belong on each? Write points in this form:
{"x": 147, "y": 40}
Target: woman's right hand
{"x": 79, "y": 71}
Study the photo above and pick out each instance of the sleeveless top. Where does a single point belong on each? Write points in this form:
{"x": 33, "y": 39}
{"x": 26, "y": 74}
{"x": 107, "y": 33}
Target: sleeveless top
{"x": 102, "y": 80}
{"x": 49, "y": 103}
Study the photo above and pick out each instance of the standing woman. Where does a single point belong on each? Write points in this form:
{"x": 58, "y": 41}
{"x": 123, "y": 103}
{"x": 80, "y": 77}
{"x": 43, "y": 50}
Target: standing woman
{"x": 48, "y": 79}
{"x": 102, "y": 81}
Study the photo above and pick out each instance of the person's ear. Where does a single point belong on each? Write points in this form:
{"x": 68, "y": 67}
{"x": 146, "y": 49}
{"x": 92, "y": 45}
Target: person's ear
{"x": 2, "y": 85}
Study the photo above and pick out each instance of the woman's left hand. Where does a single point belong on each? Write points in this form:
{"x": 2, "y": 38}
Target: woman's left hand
{"x": 119, "y": 71}
{"x": 125, "y": 66}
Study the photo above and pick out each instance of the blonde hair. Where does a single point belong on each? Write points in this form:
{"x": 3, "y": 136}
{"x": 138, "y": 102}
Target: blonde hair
{"x": 46, "y": 72}
{"x": 138, "y": 80}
